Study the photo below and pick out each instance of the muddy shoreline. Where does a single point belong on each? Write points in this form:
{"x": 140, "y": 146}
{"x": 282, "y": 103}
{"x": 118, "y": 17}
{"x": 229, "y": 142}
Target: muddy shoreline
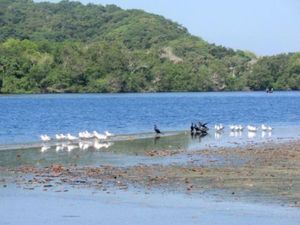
{"x": 267, "y": 172}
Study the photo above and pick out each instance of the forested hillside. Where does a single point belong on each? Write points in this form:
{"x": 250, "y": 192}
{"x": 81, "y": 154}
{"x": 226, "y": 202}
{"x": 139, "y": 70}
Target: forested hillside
{"x": 71, "y": 47}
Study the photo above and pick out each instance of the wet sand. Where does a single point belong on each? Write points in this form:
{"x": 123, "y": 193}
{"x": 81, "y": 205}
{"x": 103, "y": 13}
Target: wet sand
{"x": 267, "y": 173}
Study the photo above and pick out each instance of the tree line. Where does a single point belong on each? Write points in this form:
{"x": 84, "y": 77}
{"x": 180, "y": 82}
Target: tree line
{"x": 71, "y": 47}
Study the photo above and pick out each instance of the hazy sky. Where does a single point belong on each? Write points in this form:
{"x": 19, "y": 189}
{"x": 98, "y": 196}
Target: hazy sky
{"x": 265, "y": 27}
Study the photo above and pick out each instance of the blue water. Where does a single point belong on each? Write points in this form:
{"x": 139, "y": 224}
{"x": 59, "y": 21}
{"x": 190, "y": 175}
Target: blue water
{"x": 24, "y": 117}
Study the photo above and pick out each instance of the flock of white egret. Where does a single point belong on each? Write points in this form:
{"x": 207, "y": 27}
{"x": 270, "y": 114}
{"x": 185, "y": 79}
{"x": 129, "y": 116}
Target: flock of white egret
{"x": 84, "y": 141}
{"x": 81, "y": 135}
{"x": 237, "y": 129}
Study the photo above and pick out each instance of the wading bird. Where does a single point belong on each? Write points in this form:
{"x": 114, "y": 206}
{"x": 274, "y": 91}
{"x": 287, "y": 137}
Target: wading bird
{"x": 157, "y": 131}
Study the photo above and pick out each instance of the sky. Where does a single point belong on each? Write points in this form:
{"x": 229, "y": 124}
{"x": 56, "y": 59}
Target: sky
{"x": 265, "y": 27}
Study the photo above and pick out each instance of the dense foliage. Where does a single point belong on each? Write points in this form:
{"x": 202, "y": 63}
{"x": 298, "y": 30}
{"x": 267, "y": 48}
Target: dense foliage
{"x": 70, "y": 47}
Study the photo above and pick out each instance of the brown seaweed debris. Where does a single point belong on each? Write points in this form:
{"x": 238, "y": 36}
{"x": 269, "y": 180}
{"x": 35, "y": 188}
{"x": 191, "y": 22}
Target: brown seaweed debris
{"x": 267, "y": 171}
{"x": 57, "y": 169}
{"x": 162, "y": 153}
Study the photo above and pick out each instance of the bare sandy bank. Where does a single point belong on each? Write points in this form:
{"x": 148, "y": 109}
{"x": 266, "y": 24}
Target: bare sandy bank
{"x": 268, "y": 172}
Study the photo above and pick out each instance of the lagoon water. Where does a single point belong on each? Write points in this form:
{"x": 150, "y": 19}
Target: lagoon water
{"x": 24, "y": 117}
{"x": 123, "y": 208}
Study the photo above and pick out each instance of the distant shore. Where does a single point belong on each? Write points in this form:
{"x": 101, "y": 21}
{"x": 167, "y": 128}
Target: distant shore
{"x": 152, "y": 92}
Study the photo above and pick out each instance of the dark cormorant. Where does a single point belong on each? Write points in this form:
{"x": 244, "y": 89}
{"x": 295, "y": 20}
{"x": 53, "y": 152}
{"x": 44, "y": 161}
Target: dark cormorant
{"x": 192, "y": 128}
{"x": 157, "y": 131}
{"x": 203, "y": 127}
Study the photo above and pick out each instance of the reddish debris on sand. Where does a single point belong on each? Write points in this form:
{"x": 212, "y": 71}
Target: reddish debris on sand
{"x": 57, "y": 168}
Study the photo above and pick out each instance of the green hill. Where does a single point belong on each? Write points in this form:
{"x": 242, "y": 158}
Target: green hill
{"x": 71, "y": 47}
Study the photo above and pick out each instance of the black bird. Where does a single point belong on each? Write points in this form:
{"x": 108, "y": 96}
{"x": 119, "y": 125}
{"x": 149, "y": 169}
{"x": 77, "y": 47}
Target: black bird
{"x": 204, "y": 124}
{"x": 197, "y": 129}
{"x": 192, "y": 128}
{"x": 203, "y": 127}
{"x": 157, "y": 131}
